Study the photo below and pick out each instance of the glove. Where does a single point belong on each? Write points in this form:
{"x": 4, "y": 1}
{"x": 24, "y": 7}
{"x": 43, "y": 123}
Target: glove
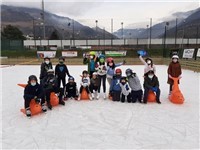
{"x": 38, "y": 100}
{"x": 124, "y": 62}
{"x": 155, "y": 89}
{"x": 127, "y": 88}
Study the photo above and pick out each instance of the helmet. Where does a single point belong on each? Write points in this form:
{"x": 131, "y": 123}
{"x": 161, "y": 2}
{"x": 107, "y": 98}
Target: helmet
{"x": 71, "y": 78}
{"x": 110, "y": 59}
{"x": 101, "y": 56}
{"x": 175, "y": 56}
{"x": 32, "y": 77}
{"x": 92, "y": 53}
{"x": 123, "y": 78}
{"x": 85, "y": 72}
{"x": 95, "y": 73}
{"x": 50, "y": 71}
{"x": 129, "y": 71}
{"x": 150, "y": 71}
{"x": 118, "y": 71}
{"x": 46, "y": 58}
{"x": 62, "y": 58}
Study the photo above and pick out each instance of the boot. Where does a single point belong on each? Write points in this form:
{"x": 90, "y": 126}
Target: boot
{"x": 158, "y": 101}
{"x": 28, "y": 112}
{"x": 49, "y": 106}
{"x": 61, "y": 102}
{"x": 44, "y": 108}
{"x": 92, "y": 96}
{"x": 97, "y": 95}
{"x": 104, "y": 96}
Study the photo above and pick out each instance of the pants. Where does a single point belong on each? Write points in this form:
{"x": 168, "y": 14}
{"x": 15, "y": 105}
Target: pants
{"x": 27, "y": 102}
{"x": 87, "y": 89}
{"x": 116, "y": 95}
{"x": 123, "y": 97}
{"x": 71, "y": 95}
{"x": 109, "y": 81}
{"x": 56, "y": 90}
{"x": 63, "y": 81}
{"x": 146, "y": 92}
{"x": 170, "y": 87}
{"x": 93, "y": 88}
{"x": 136, "y": 95}
{"x": 91, "y": 72}
{"x": 103, "y": 79}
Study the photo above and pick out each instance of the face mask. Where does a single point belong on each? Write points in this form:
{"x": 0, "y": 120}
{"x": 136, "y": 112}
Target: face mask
{"x": 150, "y": 76}
{"x": 148, "y": 62}
{"x": 123, "y": 83}
{"x": 102, "y": 60}
{"x": 33, "y": 83}
{"x": 61, "y": 61}
{"x": 128, "y": 74}
{"x": 47, "y": 62}
{"x": 175, "y": 60}
{"x": 91, "y": 57}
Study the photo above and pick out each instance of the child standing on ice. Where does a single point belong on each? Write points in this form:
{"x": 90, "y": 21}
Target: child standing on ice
{"x": 61, "y": 71}
{"x": 126, "y": 90}
{"x": 33, "y": 90}
{"x": 134, "y": 83}
{"x": 148, "y": 63}
{"x": 151, "y": 83}
{"x": 94, "y": 85}
{"x": 101, "y": 70}
{"x": 70, "y": 89}
{"x": 50, "y": 85}
{"x": 174, "y": 70}
{"x": 92, "y": 61}
{"x": 45, "y": 66}
{"x": 115, "y": 88}
{"x": 85, "y": 83}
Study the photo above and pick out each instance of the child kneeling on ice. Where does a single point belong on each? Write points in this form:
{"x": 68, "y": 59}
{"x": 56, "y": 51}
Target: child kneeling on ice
{"x": 33, "y": 90}
{"x": 126, "y": 90}
{"x": 134, "y": 83}
{"x": 151, "y": 83}
{"x": 85, "y": 83}
{"x": 70, "y": 90}
{"x": 94, "y": 85}
{"x": 50, "y": 85}
{"x": 115, "y": 88}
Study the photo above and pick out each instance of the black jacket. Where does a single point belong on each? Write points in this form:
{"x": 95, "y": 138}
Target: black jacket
{"x": 31, "y": 91}
{"x": 44, "y": 68}
{"x": 71, "y": 89}
{"x": 61, "y": 71}
{"x": 149, "y": 83}
{"x": 50, "y": 82}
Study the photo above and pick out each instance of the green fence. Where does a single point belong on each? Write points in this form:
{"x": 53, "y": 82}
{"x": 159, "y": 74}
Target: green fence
{"x": 12, "y": 45}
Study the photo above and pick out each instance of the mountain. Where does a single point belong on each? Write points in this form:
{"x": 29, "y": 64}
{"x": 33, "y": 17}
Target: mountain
{"x": 188, "y": 20}
{"x": 28, "y": 20}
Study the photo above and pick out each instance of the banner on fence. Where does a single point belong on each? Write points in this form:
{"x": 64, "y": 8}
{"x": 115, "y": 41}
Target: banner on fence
{"x": 198, "y": 53}
{"x": 43, "y": 54}
{"x": 69, "y": 53}
{"x": 87, "y": 54}
{"x": 115, "y": 53}
{"x": 188, "y": 53}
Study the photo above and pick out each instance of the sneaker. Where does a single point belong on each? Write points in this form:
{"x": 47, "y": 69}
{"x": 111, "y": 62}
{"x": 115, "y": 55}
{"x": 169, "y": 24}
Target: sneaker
{"x": 79, "y": 98}
{"x": 61, "y": 102}
{"x": 158, "y": 102}
{"x": 28, "y": 113}
{"x": 92, "y": 96}
{"x": 97, "y": 96}
{"x": 44, "y": 108}
{"x": 104, "y": 96}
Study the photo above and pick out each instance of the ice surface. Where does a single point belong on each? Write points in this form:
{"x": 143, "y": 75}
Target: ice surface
{"x": 101, "y": 123}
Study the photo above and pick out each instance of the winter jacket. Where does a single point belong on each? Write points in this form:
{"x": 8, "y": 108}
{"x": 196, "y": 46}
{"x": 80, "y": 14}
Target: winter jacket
{"x": 61, "y": 71}
{"x": 95, "y": 82}
{"x": 147, "y": 67}
{"x": 115, "y": 84}
{"x": 44, "y": 68}
{"x": 31, "y": 91}
{"x": 71, "y": 88}
{"x": 111, "y": 71}
{"x": 50, "y": 82}
{"x": 92, "y": 63}
{"x": 174, "y": 70}
{"x": 134, "y": 82}
{"x": 85, "y": 81}
{"x": 150, "y": 83}
{"x": 101, "y": 70}
{"x": 126, "y": 90}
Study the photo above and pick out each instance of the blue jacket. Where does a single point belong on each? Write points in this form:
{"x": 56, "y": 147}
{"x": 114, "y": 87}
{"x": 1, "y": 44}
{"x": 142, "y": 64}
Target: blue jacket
{"x": 115, "y": 84}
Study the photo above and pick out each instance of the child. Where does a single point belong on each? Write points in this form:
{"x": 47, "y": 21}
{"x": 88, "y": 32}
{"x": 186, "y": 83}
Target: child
{"x": 151, "y": 83}
{"x": 94, "y": 85}
{"x": 45, "y": 66}
{"x": 115, "y": 88}
{"x": 50, "y": 85}
{"x": 85, "y": 83}
{"x": 61, "y": 71}
{"x": 134, "y": 83}
{"x": 174, "y": 70}
{"x": 126, "y": 90}
{"x": 111, "y": 68}
{"x": 148, "y": 63}
{"x": 70, "y": 89}
{"x": 101, "y": 70}
{"x": 91, "y": 61}
{"x": 33, "y": 90}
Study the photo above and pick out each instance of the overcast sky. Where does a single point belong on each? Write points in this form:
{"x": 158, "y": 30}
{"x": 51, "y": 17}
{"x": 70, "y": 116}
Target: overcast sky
{"x": 126, "y": 11}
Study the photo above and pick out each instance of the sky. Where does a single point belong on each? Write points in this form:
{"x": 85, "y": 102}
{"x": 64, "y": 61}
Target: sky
{"x": 130, "y": 12}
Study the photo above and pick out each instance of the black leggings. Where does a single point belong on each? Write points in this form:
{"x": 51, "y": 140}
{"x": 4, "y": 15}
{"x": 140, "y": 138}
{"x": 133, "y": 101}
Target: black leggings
{"x": 63, "y": 81}
{"x": 103, "y": 79}
{"x": 87, "y": 89}
{"x": 93, "y": 88}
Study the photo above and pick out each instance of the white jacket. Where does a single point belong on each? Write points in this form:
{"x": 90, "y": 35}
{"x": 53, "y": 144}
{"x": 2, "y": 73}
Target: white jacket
{"x": 85, "y": 81}
{"x": 124, "y": 90}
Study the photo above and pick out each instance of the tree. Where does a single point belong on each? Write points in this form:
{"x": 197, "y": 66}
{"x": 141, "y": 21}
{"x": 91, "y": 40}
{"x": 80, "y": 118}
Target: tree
{"x": 12, "y": 33}
{"x": 54, "y": 35}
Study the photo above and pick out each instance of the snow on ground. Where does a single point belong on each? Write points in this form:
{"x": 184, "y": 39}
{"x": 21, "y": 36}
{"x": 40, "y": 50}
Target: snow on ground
{"x": 103, "y": 123}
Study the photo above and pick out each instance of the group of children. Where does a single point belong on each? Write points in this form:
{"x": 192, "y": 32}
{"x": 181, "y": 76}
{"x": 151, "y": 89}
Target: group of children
{"x": 122, "y": 88}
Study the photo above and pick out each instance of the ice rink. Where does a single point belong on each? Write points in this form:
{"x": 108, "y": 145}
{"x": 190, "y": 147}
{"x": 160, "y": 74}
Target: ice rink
{"x": 101, "y": 124}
